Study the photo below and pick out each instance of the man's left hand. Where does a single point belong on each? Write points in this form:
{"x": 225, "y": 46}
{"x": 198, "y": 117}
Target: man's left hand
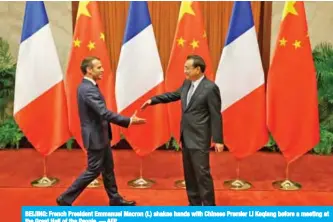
{"x": 219, "y": 147}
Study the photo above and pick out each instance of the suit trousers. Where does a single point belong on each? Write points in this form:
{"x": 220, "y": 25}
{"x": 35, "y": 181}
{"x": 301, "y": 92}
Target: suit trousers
{"x": 99, "y": 161}
{"x": 198, "y": 179}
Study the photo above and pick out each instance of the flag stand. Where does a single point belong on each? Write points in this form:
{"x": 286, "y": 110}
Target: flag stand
{"x": 180, "y": 184}
{"x": 141, "y": 182}
{"x": 237, "y": 184}
{"x": 286, "y": 184}
{"x": 44, "y": 181}
{"x": 95, "y": 183}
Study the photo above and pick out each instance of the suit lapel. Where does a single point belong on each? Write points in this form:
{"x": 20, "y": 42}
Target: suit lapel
{"x": 196, "y": 93}
{"x": 92, "y": 85}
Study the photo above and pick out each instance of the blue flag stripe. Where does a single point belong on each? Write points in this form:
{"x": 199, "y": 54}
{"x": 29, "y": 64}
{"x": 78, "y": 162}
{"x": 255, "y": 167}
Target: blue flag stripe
{"x": 138, "y": 19}
{"x": 34, "y": 19}
{"x": 241, "y": 20}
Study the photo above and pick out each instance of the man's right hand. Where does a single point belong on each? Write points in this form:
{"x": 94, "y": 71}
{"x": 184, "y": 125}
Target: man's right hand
{"x": 147, "y": 103}
{"x": 137, "y": 120}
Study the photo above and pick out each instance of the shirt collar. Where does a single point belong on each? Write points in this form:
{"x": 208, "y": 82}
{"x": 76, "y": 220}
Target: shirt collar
{"x": 196, "y": 82}
{"x": 91, "y": 80}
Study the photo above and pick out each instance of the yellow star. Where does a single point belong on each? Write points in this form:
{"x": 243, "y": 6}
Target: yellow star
{"x": 91, "y": 45}
{"x": 297, "y": 44}
{"x": 83, "y": 10}
{"x": 283, "y": 42}
{"x": 185, "y": 7}
{"x": 77, "y": 42}
{"x": 181, "y": 41}
{"x": 195, "y": 44}
{"x": 102, "y": 36}
{"x": 289, "y": 8}
{"x": 204, "y": 35}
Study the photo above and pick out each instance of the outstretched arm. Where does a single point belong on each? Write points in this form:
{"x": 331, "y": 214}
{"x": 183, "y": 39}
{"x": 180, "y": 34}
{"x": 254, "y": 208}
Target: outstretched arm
{"x": 164, "y": 98}
{"x": 93, "y": 98}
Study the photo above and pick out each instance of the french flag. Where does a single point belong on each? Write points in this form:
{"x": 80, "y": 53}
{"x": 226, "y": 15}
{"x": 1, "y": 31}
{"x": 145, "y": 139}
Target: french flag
{"x": 241, "y": 80}
{"x": 139, "y": 77}
{"x": 39, "y": 101}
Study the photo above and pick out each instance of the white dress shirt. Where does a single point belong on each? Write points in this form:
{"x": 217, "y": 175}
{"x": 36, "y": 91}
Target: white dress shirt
{"x": 192, "y": 89}
{"x": 196, "y": 82}
{"x": 91, "y": 80}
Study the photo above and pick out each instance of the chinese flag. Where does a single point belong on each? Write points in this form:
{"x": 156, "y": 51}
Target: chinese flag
{"x": 88, "y": 40}
{"x": 291, "y": 87}
{"x": 190, "y": 38}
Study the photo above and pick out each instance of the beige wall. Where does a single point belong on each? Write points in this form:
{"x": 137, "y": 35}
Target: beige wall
{"x": 60, "y": 18}
{"x": 319, "y": 17}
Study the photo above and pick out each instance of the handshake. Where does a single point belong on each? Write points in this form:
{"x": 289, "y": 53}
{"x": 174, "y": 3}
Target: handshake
{"x": 137, "y": 120}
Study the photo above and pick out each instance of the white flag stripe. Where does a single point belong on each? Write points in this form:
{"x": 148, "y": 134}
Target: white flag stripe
{"x": 240, "y": 69}
{"x": 135, "y": 79}
{"x": 38, "y": 68}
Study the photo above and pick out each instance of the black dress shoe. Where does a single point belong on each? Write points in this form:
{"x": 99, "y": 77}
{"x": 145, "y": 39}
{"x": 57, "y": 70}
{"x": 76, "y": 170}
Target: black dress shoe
{"x": 122, "y": 202}
{"x": 61, "y": 202}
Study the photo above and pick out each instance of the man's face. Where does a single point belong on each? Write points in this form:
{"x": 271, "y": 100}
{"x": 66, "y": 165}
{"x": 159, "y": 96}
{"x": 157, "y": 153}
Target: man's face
{"x": 96, "y": 71}
{"x": 191, "y": 72}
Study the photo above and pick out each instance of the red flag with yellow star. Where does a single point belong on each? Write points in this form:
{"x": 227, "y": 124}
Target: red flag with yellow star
{"x": 190, "y": 38}
{"x": 88, "y": 40}
{"x": 292, "y": 88}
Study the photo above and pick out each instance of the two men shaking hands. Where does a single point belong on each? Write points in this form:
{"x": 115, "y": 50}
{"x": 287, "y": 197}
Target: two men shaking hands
{"x": 201, "y": 124}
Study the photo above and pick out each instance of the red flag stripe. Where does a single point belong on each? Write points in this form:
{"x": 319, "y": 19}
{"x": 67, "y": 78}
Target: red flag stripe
{"x": 246, "y": 117}
{"x": 49, "y": 120}
{"x": 157, "y": 124}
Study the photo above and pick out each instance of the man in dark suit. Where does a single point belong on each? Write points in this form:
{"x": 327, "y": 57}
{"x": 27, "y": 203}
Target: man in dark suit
{"x": 201, "y": 121}
{"x": 95, "y": 121}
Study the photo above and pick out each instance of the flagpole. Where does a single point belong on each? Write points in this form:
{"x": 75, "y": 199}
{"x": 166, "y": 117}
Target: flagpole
{"x": 180, "y": 183}
{"x": 237, "y": 184}
{"x": 287, "y": 184}
{"x": 44, "y": 181}
{"x": 141, "y": 182}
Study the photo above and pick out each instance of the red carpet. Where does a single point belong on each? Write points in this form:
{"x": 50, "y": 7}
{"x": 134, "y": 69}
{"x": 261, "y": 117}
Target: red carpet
{"x": 19, "y": 168}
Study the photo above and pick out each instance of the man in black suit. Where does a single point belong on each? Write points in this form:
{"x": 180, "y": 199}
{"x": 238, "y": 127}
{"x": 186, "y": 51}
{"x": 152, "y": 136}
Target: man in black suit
{"x": 96, "y": 132}
{"x": 201, "y": 121}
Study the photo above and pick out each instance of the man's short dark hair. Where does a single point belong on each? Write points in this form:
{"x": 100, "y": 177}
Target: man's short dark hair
{"x": 87, "y": 62}
{"x": 197, "y": 61}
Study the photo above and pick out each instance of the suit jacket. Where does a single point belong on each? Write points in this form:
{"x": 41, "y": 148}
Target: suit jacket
{"x": 95, "y": 118}
{"x": 201, "y": 119}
